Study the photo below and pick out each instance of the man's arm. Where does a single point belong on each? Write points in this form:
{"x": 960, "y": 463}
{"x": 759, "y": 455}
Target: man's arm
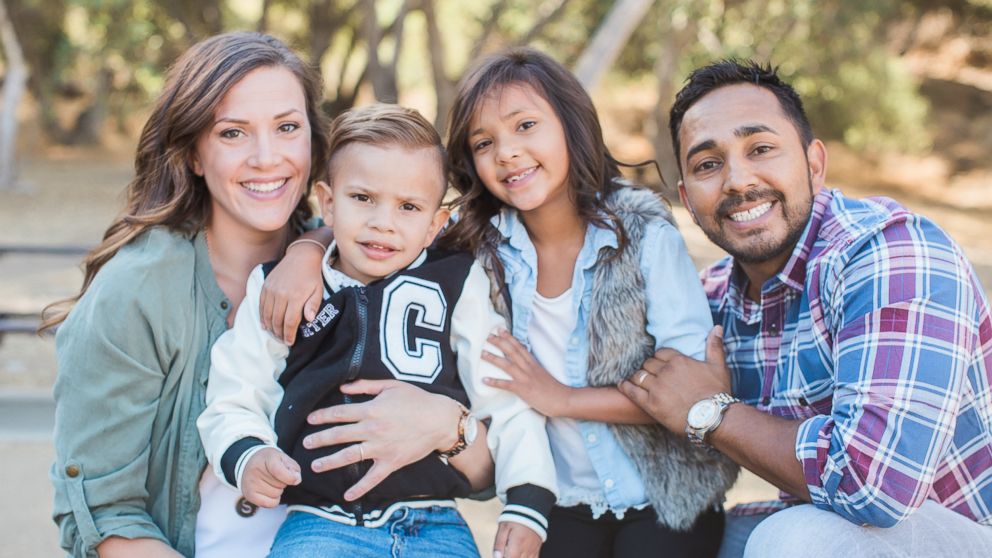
{"x": 763, "y": 444}
{"x": 669, "y": 383}
{"x": 902, "y": 313}
{"x": 905, "y": 318}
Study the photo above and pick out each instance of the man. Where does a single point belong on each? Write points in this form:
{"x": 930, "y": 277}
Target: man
{"x": 858, "y": 342}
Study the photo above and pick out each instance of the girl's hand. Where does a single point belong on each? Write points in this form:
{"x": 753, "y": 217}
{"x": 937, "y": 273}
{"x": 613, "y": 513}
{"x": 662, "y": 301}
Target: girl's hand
{"x": 294, "y": 289}
{"x": 513, "y": 540}
{"x": 403, "y": 424}
{"x": 529, "y": 380}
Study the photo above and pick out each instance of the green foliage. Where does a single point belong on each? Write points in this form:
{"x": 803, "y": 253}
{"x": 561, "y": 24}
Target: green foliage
{"x": 834, "y": 51}
{"x": 837, "y": 52}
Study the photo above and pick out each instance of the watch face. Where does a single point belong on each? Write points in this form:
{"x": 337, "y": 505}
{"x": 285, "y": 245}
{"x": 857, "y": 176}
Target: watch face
{"x": 703, "y": 414}
{"x": 471, "y": 429}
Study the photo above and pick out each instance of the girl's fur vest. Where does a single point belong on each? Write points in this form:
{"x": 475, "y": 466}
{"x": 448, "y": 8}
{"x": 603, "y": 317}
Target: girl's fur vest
{"x": 681, "y": 480}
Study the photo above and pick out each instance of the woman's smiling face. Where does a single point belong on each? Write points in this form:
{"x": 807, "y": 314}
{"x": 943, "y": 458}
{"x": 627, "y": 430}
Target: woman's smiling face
{"x": 255, "y": 158}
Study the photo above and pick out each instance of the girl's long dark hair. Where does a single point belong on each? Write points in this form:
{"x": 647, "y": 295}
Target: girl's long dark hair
{"x": 592, "y": 171}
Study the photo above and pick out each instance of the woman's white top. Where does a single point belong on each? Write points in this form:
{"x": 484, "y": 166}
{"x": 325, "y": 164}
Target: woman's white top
{"x": 222, "y": 532}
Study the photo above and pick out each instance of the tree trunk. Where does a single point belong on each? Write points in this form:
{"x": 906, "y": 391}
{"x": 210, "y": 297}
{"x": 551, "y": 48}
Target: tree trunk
{"x": 88, "y": 127}
{"x": 14, "y": 83}
{"x": 535, "y": 31}
{"x": 263, "y": 20}
{"x": 444, "y": 87}
{"x": 609, "y": 39}
{"x": 674, "y": 42}
{"x": 382, "y": 75}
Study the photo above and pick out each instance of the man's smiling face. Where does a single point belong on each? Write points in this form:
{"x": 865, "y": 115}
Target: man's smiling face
{"x": 746, "y": 177}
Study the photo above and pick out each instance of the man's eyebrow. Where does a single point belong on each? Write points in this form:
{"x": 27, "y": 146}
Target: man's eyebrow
{"x": 751, "y": 129}
{"x": 702, "y": 146}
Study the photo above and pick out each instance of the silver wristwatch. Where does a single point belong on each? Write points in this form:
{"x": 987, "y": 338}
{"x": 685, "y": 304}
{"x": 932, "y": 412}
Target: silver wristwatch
{"x": 706, "y": 415}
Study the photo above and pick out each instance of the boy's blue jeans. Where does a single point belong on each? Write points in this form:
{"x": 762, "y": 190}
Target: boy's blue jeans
{"x": 409, "y": 533}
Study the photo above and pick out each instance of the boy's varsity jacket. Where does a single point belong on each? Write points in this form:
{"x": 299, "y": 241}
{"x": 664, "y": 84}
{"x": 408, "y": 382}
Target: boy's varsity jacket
{"x": 426, "y": 324}
{"x": 681, "y": 480}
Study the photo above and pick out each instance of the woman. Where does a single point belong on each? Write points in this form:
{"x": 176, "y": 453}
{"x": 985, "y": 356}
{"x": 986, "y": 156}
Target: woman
{"x": 223, "y": 170}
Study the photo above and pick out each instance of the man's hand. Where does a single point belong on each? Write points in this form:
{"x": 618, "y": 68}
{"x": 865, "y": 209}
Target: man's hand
{"x": 514, "y": 540}
{"x": 669, "y": 383}
{"x": 266, "y": 475}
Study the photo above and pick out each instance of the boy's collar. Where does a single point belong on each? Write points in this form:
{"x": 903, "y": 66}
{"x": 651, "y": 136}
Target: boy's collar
{"x": 337, "y": 280}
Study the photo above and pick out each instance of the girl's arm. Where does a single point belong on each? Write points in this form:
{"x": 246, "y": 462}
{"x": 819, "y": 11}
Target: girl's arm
{"x": 678, "y": 317}
{"x": 294, "y": 289}
{"x": 535, "y": 385}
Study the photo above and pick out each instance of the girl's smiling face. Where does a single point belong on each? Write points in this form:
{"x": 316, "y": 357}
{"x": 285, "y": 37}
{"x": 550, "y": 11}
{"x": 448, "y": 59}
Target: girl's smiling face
{"x": 519, "y": 148}
{"x": 255, "y": 158}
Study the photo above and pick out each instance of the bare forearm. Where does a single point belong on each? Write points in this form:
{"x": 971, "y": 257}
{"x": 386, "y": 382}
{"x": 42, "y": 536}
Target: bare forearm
{"x": 763, "y": 444}
{"x": 602, "y": 404}
{"x": 115, "y": 547}
{"x": 476, "y": 463}
{"x": 323, "y": 235}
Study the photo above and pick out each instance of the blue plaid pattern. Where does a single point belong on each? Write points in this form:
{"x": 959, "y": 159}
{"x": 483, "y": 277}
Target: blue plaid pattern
{"x": 878, "y": 336}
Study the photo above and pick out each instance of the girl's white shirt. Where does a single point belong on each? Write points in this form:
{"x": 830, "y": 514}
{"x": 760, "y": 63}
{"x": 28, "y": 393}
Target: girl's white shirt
{"x": 550, "y": 327}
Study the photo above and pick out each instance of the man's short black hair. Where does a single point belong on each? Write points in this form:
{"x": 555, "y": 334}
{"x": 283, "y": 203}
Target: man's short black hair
{"x": 731, "y": 72}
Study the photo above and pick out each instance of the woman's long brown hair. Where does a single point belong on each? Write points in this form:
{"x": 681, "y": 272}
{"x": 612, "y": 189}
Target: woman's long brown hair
{"x": 592, "y": 171}
{"x": 165, "y": 192}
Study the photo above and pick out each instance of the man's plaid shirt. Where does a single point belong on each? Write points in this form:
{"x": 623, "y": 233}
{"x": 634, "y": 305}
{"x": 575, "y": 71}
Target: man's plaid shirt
{"x": 878, "y": 336}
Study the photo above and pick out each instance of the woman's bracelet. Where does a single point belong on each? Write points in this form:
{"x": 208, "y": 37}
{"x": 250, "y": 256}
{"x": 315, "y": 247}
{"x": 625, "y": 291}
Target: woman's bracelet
{"x": 307, "y": 241}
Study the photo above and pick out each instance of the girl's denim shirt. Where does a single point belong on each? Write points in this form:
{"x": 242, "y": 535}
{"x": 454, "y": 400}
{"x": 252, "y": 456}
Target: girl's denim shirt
{"x": 677, "y": 313}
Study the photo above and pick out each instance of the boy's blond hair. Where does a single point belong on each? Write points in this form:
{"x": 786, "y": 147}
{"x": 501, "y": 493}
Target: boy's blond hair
{"x": 384, "y": 124}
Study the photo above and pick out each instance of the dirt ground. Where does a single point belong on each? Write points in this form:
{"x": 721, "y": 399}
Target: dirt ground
{"x": 73, "y": 197}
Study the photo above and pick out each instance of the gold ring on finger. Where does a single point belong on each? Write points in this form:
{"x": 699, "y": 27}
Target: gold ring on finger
{"x": 641, "y": 377}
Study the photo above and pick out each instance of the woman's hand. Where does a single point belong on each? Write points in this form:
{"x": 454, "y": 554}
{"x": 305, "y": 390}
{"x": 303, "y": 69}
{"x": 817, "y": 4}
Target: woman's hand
{"x": 403, "y": 424}
{"x": 295, "y": 288}
{"x": 529, "y": 380}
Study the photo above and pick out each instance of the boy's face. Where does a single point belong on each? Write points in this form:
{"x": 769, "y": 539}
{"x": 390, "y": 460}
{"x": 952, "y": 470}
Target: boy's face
{"x": 384, "y": 206}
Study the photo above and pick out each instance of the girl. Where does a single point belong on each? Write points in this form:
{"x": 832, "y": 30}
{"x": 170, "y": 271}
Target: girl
{"x": 223, "y": 168}
{"x": 595, "y": 277}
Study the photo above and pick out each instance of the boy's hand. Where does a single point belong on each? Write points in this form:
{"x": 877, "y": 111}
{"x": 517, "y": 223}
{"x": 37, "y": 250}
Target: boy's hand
{"x": 266, "y": 475}
{"x": 513, "y": 540}
{"x": 294, "y": 289}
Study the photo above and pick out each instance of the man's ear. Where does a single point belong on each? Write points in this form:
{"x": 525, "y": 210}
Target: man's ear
{"x": 437, "y": 223}
{"x": 325, "y": 199}
{"x": 816, "y": 156}
{"x": 685, "y": 201}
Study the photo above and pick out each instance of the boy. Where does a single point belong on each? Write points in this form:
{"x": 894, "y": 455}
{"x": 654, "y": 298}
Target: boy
{"x": 393, "y": 309}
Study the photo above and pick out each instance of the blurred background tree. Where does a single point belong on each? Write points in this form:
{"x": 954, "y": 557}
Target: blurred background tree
{"x": 875, "y": 74}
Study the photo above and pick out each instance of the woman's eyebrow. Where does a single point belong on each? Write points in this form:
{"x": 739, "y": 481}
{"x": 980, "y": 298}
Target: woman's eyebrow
{"x": 234, "y": 120}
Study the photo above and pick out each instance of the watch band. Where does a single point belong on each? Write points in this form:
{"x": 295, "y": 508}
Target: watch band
{"x": 698, "y": 436}
{"x": 460, "y": 443}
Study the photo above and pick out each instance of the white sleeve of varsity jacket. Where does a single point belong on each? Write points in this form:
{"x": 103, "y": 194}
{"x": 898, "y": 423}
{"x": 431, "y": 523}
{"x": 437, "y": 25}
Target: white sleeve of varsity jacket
{"x": 525, "y": 470}
{"x": 243, "y": 391}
